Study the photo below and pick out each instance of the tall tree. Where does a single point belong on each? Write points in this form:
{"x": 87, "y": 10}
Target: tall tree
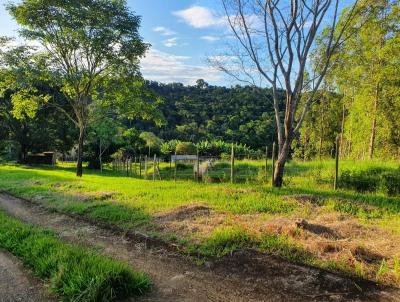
{"x": 365, "y": 74}
{"x": 274, "y": 42}
{"x": 85, "y": 41}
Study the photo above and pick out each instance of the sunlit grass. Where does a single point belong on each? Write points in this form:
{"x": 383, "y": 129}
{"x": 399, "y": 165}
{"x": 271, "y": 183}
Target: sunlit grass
{"x": 135, "y": 203}
{"x": 74, "y": 273}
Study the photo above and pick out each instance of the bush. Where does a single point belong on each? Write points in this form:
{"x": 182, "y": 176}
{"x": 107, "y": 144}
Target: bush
{"x": 372, "y": 180}
{"x": 73, "y": 272}
{"x": 186, "y": 148}
{"x": 390, "y": 182}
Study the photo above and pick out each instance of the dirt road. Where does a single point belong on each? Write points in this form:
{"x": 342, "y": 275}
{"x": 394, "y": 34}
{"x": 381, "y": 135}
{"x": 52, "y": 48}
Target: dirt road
{"x": 244, "y": 276}
{"x": 17, "y": 283}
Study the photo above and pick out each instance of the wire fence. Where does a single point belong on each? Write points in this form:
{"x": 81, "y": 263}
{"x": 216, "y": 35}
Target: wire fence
{"x": 234, "y": 168}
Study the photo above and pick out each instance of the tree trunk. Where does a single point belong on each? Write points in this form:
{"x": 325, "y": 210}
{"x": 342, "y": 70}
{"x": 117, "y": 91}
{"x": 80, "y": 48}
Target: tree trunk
{"x": 280, "y": 164}
{"x": 373, "y": 128}
{"x": 79, "y": 167}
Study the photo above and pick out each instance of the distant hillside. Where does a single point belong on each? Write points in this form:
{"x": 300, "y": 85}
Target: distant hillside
{"x": 193, "y": 113}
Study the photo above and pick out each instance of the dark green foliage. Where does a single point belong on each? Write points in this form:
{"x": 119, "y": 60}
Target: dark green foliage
{"x": 372, "y": 180}
{"x": 186, "y": 148}
{"x": 74, "y": 273}
{"x": 204, "y": 112}
{"x": 49, "y": 130}
{"x": 320, "y": 128}
{"x": 390, "y": 182}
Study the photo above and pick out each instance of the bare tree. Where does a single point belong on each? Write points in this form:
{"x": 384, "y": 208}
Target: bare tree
{"x": 274, "y": 40}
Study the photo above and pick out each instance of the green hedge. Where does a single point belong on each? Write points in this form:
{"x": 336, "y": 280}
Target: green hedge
{"x": 75, "y": 273}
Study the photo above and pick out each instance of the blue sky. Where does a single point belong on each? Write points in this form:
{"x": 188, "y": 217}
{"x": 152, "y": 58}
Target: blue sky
{"x": 183, "y": 33}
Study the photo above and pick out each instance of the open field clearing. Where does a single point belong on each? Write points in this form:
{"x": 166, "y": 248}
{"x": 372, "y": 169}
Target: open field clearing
{"x": 357, "y": 234}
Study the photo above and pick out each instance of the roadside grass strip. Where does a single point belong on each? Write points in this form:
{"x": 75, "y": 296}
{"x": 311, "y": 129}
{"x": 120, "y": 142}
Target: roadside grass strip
{"x": 73, "y": 273}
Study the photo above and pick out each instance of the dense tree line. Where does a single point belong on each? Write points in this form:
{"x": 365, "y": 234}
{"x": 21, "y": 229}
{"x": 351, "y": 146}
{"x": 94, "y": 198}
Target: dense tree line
{"x": 360, "y": 101}
{"x": 238, "y": 114}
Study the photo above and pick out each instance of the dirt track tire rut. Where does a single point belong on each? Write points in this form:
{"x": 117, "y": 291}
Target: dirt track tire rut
{"x": 243, "y": 276}
{"x": 18, "y": 284}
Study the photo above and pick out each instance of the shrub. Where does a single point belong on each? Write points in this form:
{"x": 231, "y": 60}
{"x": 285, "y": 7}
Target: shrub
{"x": 186, "y": 148}
{"x": 372, "y": 180}
{"x": 390, "y": 182}
{"x": 225, "y": 156}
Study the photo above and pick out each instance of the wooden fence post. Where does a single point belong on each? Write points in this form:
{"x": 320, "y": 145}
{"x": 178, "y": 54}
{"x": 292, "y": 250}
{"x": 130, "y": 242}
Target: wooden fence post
{"x": 140, "y": 166}
{"x": 198, "y": 166}
{"x": 273, "y": 162}
{"x": 175, "y": 168}
{"x": 170, "y": 166}
{"x": 233, "y": 164}
{"x": 134, "y": 167}
{"x": 266, "y": 163}
{"x": 335, "y": 185}
{"x": 145, "y": 167}
{"x": 154, "y": 167}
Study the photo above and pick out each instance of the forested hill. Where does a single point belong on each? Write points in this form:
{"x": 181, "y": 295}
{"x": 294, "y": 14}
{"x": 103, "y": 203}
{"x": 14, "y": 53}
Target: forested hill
{"x": 204, "y": 112}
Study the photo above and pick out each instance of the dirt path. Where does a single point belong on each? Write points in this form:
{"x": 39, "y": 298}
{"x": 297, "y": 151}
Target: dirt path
{"x": 18, "y": 284}
{"x": 244, "y": 276}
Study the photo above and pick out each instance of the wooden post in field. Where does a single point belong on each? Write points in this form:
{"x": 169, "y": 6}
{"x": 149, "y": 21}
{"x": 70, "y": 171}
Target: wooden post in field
{"x": 170, "y": 166}
{"x": 127, "y": 166}
{"x": 140, "y": 166}
{"x": 154, "y": 167}
{"x": 273, "y": 162}
{"x": 266, "y": 164}
{"x": 335, "y": 185}
{"x": 233, "y": 164}
{"x": 198, "y": 166}
{"x": 134, "y": 167}
{"x": 145, "y": 167}
{"x": 130, "y": 167}
{"x": 175, "y": 168}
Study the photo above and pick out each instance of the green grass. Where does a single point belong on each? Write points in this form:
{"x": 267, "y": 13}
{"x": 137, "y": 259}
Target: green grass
{"x": 133, "y": 203}
{"x": 74, "y": 273}
{"x": 224, "y": 240}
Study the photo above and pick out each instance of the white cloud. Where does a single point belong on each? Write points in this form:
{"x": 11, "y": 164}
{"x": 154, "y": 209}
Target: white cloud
{"x": 171, "y": 42}
{"x": 200, "y": 17}
{"x": 210, "y": 38}
{"x": 164, "y": 31}
{"x": 169, "y": 68}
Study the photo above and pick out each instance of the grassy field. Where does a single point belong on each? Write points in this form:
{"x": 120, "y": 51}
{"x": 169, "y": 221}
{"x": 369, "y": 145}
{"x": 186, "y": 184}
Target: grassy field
{"x": 306, "y": 221}
{"x": 74, "y": 273}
